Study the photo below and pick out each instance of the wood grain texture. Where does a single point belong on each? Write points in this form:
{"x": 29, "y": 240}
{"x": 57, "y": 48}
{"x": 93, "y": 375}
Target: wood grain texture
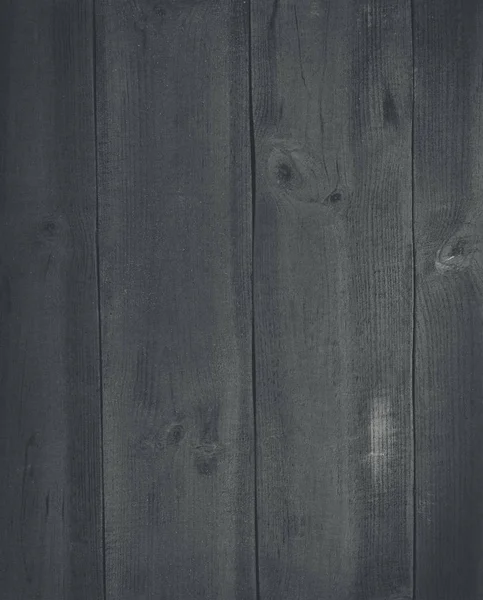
{"x": 332, "y": 85}
{"x": 175, "y": 215}
{"x": 449, "y": 341}
{"x": 50, "y": 479}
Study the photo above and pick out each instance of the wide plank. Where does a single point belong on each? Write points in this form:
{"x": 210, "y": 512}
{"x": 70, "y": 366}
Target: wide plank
{"x": 448, "y": 197}
{"x": 176, "y": 237}
{"x": 332, "y": 88}
{"x": 50, "y": 449}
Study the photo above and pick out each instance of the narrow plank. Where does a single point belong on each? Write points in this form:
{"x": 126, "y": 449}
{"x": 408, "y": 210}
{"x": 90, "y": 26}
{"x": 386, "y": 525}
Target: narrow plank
{"x": 50, "y": 478}
{"x": 175, "y": 223}
{"x": 332, "y": 87}
{"x": 449, "y": 302}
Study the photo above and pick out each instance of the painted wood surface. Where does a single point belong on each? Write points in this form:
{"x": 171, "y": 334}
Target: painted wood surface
{"x": 176, "y": 238}
{"x": 448, "y": 191}
{"x": 241, "y": 327}
{"x": 332, "y": 84}
{"x": 50, "y": 477}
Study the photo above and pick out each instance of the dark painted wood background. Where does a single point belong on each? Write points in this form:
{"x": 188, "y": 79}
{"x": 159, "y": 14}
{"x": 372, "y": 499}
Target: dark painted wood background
{"x": 241, "y": 299}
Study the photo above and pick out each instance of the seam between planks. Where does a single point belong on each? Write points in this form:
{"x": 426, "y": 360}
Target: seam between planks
{"x": 413, "y": 335}
{"x": 99, "y": 315}
{"x": 251, "y": 120}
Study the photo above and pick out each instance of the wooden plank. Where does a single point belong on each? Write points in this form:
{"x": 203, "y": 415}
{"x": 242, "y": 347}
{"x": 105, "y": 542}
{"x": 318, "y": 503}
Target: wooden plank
{"x": 449, "y": 302}
{"x": 175, "y": 215}
{"x": 332, "y": 87}
{"x": 50, "y": 477}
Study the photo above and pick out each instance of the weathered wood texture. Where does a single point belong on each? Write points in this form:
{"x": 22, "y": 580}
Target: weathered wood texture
{"x": 332, "y": 85}
{"x": 366, "y": 125}
{"x": 176, "y": 237}
{"x": 448, "y": 164}
{"x": 50, "y": 479}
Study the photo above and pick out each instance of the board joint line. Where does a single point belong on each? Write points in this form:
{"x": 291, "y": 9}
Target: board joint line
{"x": 413, "y": 335}
{"x": 251, "y": 121}
{"x": 99, "y": 313}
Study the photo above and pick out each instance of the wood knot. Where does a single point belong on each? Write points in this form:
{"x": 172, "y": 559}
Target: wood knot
{"x": 286, "y": 174}
{"x": 147, "y": 445}
{"x": 207, "y": 456}
{"x": 51, "y": 228}
{"x": 294, "y": 174}
{"x": 338, "y": 200}
{"x": 50, "y": 231}
{"x": 455, "y": 255}
{"x": 389, "y": 110}
{"x": 175, "y": 434}
{"x": 335, "y": 197}
{"x": 53, "y": 242}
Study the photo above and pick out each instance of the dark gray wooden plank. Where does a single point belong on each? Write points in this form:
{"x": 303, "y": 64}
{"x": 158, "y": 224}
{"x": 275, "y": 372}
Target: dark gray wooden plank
{"x": 332, "y": 87}
{"x": 449, "y": 340}
{"x": 50, "y": 478}
{"x": 175, "y": 214}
